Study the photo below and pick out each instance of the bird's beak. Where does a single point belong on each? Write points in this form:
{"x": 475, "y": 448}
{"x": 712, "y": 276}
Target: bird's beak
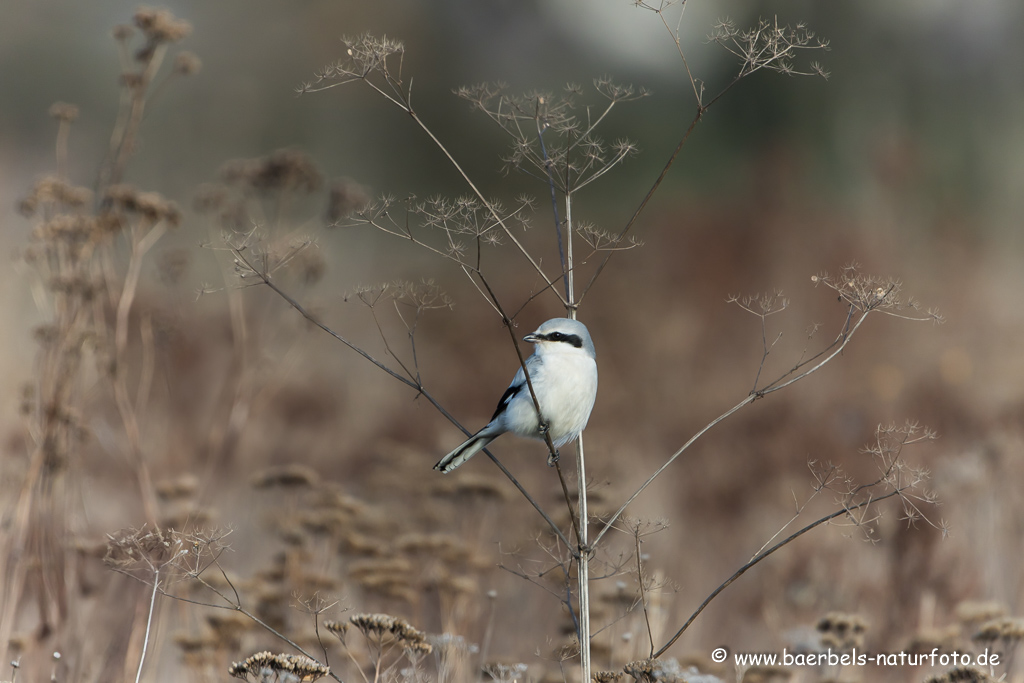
{"x": 532, "y": 338}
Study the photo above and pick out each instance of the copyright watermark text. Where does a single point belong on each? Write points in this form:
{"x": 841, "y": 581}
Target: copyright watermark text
{"x": 857, "y": 658}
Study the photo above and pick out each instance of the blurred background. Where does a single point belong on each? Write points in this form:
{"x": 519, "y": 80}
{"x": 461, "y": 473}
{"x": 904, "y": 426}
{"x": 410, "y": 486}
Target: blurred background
{"x": 908, "y": 160}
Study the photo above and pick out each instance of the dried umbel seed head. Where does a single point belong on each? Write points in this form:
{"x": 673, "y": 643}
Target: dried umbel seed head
{"x": 664, "y": 671}
{"x": 265, "y": 666}
{"x": 123, "y": 32}
{"x": 149, "y": 205}
{"x": 179, "y": 488}
{"x": 285, "y": 169}
{"x": 321, "y": 521}
{"x": 187, "y": 63}
{"x": 355, "y": 544}
{"x": 767, "y": 674}
{"x": 134, "y": 548}
{"x": 254, "y": 665}
{"x": 64, "y": 112}
{"x": 131, "y": 80}
{"x": 450, "y": 547}
{"x": 961, "y": 674}
{"x": 472, "y": 486}
{"x": 976, "y": 612}
{"x": 67, "y": 228}
{"x": 209, "y": 198}
{"x": 345, "y": 198}
{"x": 160, "y": 26}
{"x": 155, "y": 208}
{"x": 338, "y": 628}
{"x": 379, "y": 626}
{"x": 51, "y": 190}
{"x": 928, "y": 639}
{"x": 1009, "y": 629}
{"x": 226, "y": 630}
{"x": 842, "y": 631}
{"x": 391, "y": 576}
{"x": 505, "y": 673}
{"x": 642, "y": 671}
{"x": 305, "y": 668}
{"x": 172, "y": 265}
{"x": 307, "y": 264}
{"x": 285, "y": 476}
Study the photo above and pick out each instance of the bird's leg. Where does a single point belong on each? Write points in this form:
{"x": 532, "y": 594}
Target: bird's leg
{"x": 542, "y": 428}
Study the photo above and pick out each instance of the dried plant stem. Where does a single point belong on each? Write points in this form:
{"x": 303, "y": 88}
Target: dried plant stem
{"x": 413, "y": 384}
{"x": 583, "y": 571}
{"x": 800, "y": 507}
{"x": 16, "y": 541}
{"x": 377, "y": 662}
{"x": 552, "y": 452}
{"x": 63, "y": 133}
{"x": 235, "y": 605}
{"x": 583, "y": 551}
{"x": 570, "y": 270}
{"x": 490, "y": 207}
{"x": 563, "y": 259}
{"x": 266, "y": 279}
{"x": 674, "y": 33}
{"x": 536, "y": 506}
{"x": 370, "y": 57}
{"x": 701, "y": 110}
{"x": 356, "y": 665}
{"x": 125, "y": 406}
{"x": 837, "y": 348}
{"x": 580, "y": 517}
{"x": 149, "y": 622}
{"x": 401, "y": 97}
{"x": 761, "y": 556}
{"x": 140, "y": 246}
{"x": 565, "y": 492}
{"x": 643, "y": 592}
{"x": 225, "y": 434}
{"x": 122, "y": 142}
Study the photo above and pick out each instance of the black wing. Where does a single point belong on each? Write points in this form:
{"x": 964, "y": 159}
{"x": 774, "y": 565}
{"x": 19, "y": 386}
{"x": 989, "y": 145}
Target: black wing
{"x": 506, "y": 398}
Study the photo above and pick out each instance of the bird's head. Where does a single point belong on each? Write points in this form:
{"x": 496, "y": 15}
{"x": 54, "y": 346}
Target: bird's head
{"x": 562, "y": 334}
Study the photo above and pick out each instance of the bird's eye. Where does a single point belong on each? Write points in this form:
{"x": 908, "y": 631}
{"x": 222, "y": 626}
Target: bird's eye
{"x": 556, "y": 336}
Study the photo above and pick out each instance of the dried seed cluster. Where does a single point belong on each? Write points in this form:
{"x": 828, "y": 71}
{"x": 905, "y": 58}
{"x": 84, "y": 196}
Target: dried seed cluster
{"x": 381, "y": 627}
{"x": 266, "y": 666}
{"x": 840, "y": 631}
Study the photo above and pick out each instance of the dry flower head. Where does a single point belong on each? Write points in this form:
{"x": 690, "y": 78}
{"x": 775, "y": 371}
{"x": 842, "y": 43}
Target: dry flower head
{"x": 1007, "y": 629}
{"x": 382, "y": 628}
{"x": 266, "y": 667}
{"x": 841, "y": 631}
{"x": 961, "y": 674}
{"x": 159, "y": 26}
{"x": 282, "y": 170}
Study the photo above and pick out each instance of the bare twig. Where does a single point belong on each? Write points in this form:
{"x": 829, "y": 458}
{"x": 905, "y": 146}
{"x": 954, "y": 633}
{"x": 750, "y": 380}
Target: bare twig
{"x": 836, "y": 349}
{"x": 643, "y": 593}
{"x": 412, "y": 384}
{"x": 763, "y": 555}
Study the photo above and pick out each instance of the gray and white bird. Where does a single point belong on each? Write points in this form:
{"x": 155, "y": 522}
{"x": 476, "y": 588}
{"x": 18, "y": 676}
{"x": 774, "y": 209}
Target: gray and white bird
{"x": 563, "y": 371}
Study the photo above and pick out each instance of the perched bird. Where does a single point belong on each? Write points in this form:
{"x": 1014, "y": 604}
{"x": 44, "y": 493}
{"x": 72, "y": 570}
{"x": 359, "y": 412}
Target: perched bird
{"x": 563, "y": 371}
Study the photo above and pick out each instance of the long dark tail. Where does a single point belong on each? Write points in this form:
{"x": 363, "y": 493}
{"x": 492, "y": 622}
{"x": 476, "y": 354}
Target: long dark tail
{"x": 467, "y": 450}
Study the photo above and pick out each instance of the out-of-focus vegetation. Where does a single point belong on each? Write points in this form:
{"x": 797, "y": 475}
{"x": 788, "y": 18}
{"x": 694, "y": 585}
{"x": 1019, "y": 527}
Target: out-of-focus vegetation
{"x": 908, "y": 160}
